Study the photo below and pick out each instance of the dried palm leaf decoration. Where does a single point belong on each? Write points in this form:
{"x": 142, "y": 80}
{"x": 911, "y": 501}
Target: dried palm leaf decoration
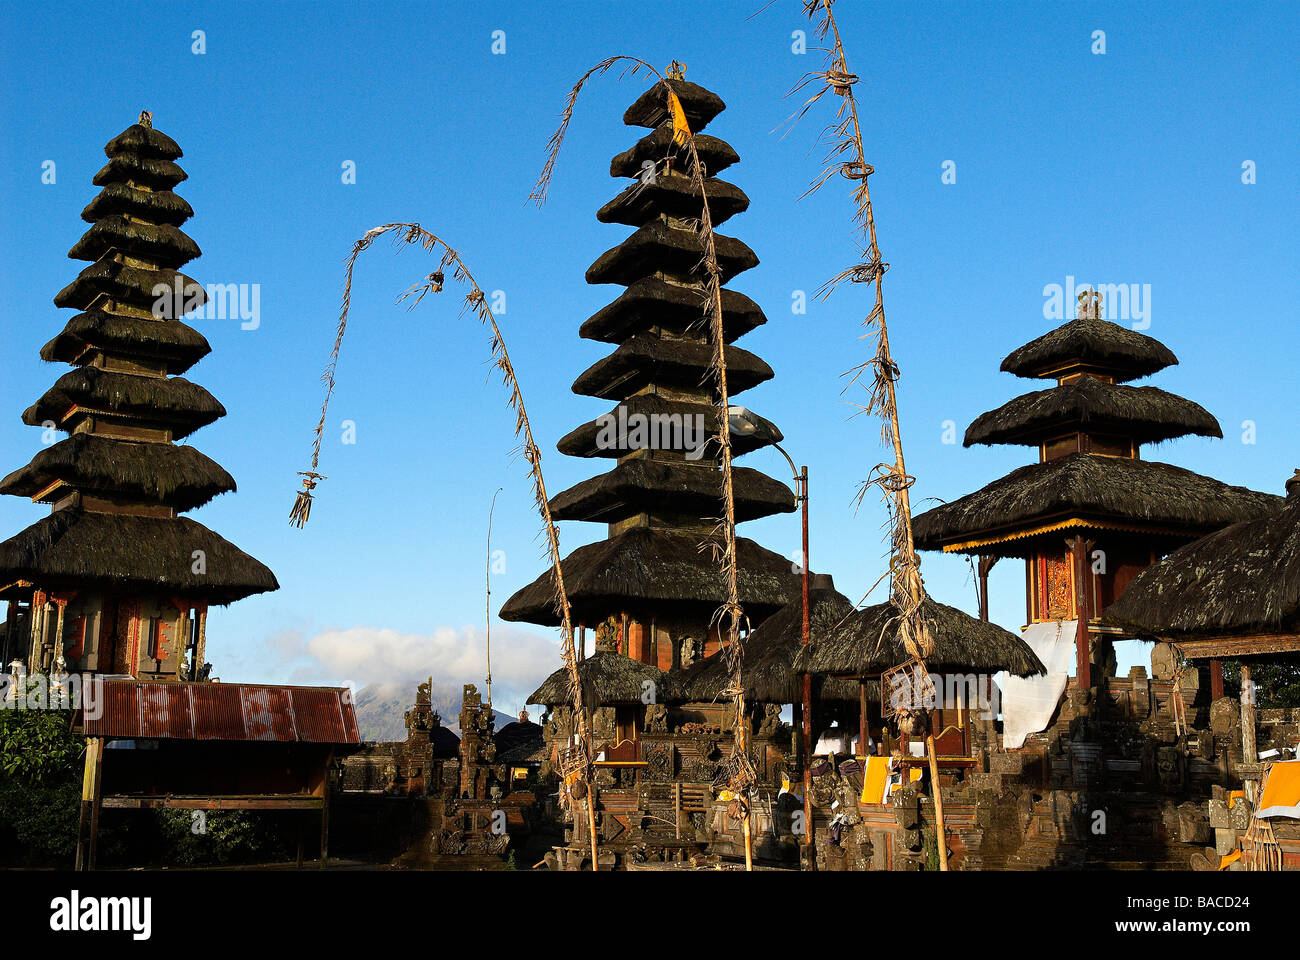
{"x": 475, "y": 302}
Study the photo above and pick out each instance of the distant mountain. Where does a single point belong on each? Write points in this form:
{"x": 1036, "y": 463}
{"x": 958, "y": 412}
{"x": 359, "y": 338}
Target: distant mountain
{"x": 381, "y": 709}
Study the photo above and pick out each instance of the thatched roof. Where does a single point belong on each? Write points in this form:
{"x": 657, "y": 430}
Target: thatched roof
{"x": 520, "y": 741}
{"x": 176, "y": 343}
{"x": 1148, "y": 495}
{"x": 866, "y": 644}
{"x": 180, "y": 477}
{"x": 162, "y": 244}
{"x": 644, "y": 359}
{"x": 131, "y": 285}
{"x": 643, "y": 484}
{"x": 654, "y": 302}
{"x": 767, "y": 664}
{"x": 658, "y": 246}
{"x": 1147, "y": 414}
{"x": 145, "y": 141}
{"x": 171, "y": 400}
{"x": 716, "y": 154}
{"x": 132, "y": 554}
{"x": 608, "y": 677}
{"x": 155, "y": 206}
{"x": 1241, "y": 580}
{"x": 585, "y": 440}
{"x": 152, "y": 171}
{"x": 673, "y": 194}
{"x": 651, "y": 108}
{"x": 644, "y": 567}
{"x": 1099, "y": 343}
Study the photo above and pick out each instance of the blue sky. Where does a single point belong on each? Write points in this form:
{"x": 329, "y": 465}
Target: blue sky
{"x": 1117, "y": 168}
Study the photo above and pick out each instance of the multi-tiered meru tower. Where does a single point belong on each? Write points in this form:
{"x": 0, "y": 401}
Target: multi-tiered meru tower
{"x": 1091, "y": 513}
{"x": 114, "y": 581}
{"x": 664, "y": 492}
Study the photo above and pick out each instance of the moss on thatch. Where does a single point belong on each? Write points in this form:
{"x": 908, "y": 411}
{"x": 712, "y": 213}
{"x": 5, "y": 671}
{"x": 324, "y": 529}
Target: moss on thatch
{"x": 1097, "y": 342}
{"x": 1115, "y": 489}
{"x": 1242, "y": 580}
{"x": 155, "y": 206}
{"x": 715, "y": 154}
{"x": 176, "y": 343}
{"x": 174, "y": 401}
{"x": 865, "y": 644}
{"x": 1147, "y": 414}
{"x": 657, "y": 246}
{"x": 161, "y": 243}
{"x": 636, "y": 486}
{"x": 145, "y": 141}
{"x": 767, "y": 664}
{"x": 180, "y": 477}
{"x": 645, "y": 359}
{"x": 644, "y": 567}
{"x": 698, "y": 104}
{"x": 151, "y": 171}
{"x": 585, "y": 440}
{"x": 132, "y": 554}
{"x": 654, "y": 302}
{"x": 675, "y": 195}
{"x": 127, "y": 284}
{"x": 608, "y": 678}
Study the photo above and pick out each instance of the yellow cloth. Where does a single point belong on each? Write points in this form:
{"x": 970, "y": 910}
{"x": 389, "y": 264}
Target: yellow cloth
{"x": 1230, "y": 858}
{"x": 1282, "y": 791}
{"x": 681, "y": 131}
{"x": 1234, "y": 796}
{"x": 874, "y": 778}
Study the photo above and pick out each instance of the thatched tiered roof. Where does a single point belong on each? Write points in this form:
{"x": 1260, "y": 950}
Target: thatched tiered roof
{"x": 118, "y": 480}
{"x": 608, "y": 678}
{"x": 662, "y": 495}
{"x": 645, "y": 568}
{"x": 75, "y": 548}
{"x": 865, "y": 644}
{"x": 1140, "y": 495}
{"x": 1146, "y": 414}
{"x": 1243, "y": 580}
{"x": 1089, "y": 341}
{"x": 593, "y": 439}
{"x": 1088, "y": 429}
{"x": 769, "y": 654}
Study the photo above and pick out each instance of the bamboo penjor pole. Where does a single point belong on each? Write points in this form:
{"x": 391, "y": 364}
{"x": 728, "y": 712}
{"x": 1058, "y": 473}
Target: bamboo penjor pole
{"x": 846, "y": 156}
{"x": 475, "y": 302}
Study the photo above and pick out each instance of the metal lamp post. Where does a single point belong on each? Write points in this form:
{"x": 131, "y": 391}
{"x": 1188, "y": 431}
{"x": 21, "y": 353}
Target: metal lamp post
{"x": 742, "y": 423}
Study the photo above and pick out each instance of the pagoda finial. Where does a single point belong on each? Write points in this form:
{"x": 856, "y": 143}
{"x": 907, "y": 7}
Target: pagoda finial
{"x": 146, "y": 118}
{"x": 676, "y": 71}
{"x": 1089, "y": 305}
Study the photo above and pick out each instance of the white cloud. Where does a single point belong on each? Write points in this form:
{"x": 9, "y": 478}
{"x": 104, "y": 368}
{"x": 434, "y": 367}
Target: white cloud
{"x": 362, "y": 656}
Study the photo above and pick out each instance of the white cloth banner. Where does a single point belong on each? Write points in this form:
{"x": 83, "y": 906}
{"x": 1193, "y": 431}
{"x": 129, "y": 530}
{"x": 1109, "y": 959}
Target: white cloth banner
{"x": 1028, "y": 704}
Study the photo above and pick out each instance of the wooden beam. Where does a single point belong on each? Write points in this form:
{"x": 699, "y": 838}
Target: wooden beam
{"x": 121, "y": 802}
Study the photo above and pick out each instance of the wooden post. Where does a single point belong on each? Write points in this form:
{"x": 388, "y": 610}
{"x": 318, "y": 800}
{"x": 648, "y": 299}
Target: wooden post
{"x": 941, "y": 838}
{"x": 862, "y": 717}
{"x": 325, "y": 826}
{"x": 677, "y": 807}
{"x": 90, "y": 789}
{"x": 301, "y": 837}
{"x": 1082, "y": 604}
{"x": 200, "y": 645}
{"x": 983, "y": 566}
{"x": 91, "y": 792}
{"x": 1250, "y": 755}
{"x": 1216, "y": 679}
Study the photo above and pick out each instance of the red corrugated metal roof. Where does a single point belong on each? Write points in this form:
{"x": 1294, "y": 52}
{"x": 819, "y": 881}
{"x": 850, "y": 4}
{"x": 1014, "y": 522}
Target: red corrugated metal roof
{"x": 222, "y": 711}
